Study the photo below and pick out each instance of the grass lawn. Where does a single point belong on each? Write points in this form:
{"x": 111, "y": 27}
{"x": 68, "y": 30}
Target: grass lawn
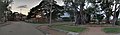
{"x": 111, "y": 30}
{"x": 68, "y": 28}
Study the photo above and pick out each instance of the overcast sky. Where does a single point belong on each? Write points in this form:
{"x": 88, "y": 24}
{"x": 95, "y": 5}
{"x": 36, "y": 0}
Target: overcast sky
{"x": 29, "y": 3}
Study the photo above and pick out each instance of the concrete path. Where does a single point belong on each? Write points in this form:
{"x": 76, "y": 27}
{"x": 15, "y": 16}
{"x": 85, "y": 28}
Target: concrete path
{"x": 19, "y": 28}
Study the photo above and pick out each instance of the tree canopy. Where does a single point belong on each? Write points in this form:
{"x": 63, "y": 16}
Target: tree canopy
{"x": 87, "y": 8}
{"x": 82, "y": 10}
{"x": 44, "y": 7}
{"x": 4, "y": 7}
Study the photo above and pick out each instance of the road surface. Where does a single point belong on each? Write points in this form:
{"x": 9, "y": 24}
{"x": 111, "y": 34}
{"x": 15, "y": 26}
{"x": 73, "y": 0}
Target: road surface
{"x": 19, "y": 28}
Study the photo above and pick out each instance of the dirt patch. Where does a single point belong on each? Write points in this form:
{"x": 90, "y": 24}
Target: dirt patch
{"x": 50, "y": 31}
{"x": 95, "y": 31}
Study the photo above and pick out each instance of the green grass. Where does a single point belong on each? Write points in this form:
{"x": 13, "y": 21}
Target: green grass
{"x": 68, "y": 28}
{"x": 111, "y": 30}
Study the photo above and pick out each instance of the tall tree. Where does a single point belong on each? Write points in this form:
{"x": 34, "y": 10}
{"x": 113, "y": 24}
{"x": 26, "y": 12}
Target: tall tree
{"x": 4, "y": 8}
{"x": 70, "y": 8}
{"x": 44, "y": 7}
{"x": 116, "y": 11}
{"x": 73, "y": 5}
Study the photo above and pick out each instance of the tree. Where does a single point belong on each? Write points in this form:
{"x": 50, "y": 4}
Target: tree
{"x": 82, "y": 12}
{"x": 44, "y": 7}
{"x": 3, "y": 8}
{"x": 106, "y": 6}
{"x": 116, "y": 12}
{"x": 70, "y": 8}
{"x": 72, "y": 5}
{"x": 98, "y": 6}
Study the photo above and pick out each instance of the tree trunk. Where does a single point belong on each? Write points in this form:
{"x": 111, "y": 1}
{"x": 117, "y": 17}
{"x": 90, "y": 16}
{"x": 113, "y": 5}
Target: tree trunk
{"x": 107, "y": 18}
{"x": 81, "y": 16}
{"x": 115, "y": 16}
{"x": 88, "y": 18}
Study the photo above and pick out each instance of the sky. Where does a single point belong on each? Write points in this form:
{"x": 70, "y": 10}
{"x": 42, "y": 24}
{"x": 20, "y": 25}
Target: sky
{"x": 29, "y": 4}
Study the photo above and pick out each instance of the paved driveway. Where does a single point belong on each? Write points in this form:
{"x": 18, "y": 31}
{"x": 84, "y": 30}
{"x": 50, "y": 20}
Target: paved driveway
{"x": 19, "y": 28}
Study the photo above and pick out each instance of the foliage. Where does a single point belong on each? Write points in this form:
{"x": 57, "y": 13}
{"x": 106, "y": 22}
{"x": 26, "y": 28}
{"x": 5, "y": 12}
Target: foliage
{"x": 4, "y": 8}
{"x": 78, "y": 9}
{"x": 111, "y": 30}
{"x": 4, "y": 4}
{"x": 44, "y": 7}
{"x": 105, "y": 7}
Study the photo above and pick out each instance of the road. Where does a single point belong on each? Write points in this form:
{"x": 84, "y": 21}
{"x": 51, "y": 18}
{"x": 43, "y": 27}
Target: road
{"x": 19, "y": 28}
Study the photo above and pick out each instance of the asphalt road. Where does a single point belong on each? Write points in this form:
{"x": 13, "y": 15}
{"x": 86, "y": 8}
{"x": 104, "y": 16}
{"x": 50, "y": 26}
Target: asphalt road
{"x": 19, "y": 28}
